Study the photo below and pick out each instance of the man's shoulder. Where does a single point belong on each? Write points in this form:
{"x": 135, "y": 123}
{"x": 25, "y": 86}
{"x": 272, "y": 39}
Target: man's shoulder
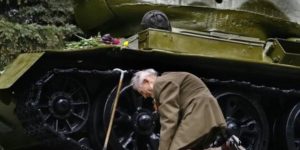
{"x": 169, "y": 77}
{"x": 179, "y": 77}
{"x": 176, "y": 74}
{"x": 173, "y": 77}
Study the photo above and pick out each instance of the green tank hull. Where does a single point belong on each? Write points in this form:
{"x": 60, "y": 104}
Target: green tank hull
{"x": 262, "y": 19}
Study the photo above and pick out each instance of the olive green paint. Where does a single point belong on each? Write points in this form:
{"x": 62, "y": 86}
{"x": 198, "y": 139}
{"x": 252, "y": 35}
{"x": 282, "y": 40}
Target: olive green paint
{"x": 16, "y": 69}
{"x": 201, "y": 18}
{"x": 92, "y": 13}
{"x": 199, "y": 44}
{"x": 285, "y": 52}
{"x": 281, "y": 53}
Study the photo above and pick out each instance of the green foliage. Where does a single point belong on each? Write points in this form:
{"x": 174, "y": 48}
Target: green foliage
{"x": 19, "y": 2}
{"x": 43, "y": 12}
{"x": 35, "y": 25}
{"x": 85, "y": 43}
{"x": 16, "y": 38}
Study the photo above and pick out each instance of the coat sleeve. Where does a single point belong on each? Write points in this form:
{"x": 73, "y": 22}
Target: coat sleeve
{"x": 169, "y": 112}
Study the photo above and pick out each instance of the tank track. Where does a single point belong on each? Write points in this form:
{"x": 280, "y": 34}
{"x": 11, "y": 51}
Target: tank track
{"x": 249, "y": 85}
{"x": 32, "y": 120}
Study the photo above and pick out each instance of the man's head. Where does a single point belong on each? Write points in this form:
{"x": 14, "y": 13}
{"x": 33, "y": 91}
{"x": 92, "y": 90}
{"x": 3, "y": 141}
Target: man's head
{"x": 143, "y": 82}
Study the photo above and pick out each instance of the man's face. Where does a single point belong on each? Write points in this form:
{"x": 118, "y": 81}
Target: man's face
{"x": 146, "y": 89}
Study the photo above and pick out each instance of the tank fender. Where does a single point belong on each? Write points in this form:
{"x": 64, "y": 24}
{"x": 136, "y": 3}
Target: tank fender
{"x": 17, "y": 68}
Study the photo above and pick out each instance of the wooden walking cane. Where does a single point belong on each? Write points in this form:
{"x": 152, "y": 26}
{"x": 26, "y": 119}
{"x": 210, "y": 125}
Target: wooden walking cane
{"x": 113, "y": 109}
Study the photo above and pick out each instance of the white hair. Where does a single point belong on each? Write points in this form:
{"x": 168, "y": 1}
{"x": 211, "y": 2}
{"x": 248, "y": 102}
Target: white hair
{"x": 140, "y": 76}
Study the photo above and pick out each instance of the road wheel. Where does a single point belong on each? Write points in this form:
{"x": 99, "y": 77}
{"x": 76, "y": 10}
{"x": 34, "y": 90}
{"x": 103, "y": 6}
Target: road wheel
{"x": 245, "y": 118}
{"x": 55, "y": 107}
{"x": 287, "y": 129}
{"x": 64, "y": 104}
{"x": 136, "y": 125}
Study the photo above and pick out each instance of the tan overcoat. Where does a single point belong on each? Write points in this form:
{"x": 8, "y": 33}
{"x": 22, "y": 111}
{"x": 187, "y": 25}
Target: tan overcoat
{"x": 188, "y": 111}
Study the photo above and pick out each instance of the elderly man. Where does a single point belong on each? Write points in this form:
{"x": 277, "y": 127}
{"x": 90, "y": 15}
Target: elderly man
{"x": 190, "y": 116}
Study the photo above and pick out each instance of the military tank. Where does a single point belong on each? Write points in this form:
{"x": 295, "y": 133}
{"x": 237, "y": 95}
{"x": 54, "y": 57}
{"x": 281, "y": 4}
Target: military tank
{"x": 246, "y": 51}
